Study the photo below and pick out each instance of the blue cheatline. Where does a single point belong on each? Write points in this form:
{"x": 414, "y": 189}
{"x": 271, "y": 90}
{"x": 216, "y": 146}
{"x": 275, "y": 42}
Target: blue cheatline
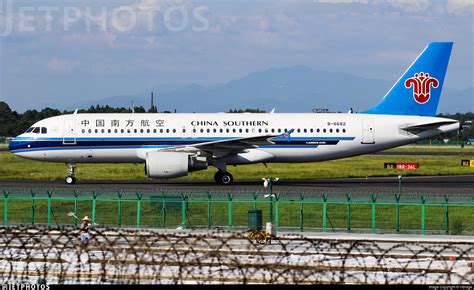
{"x": 418, "y": 90}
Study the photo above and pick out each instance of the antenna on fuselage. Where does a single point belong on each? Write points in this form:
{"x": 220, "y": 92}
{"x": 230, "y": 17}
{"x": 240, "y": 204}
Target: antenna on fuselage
{"x": 272, "y": 111}
{"x": 75, "y": 112}
{"x": 133, "y": 108}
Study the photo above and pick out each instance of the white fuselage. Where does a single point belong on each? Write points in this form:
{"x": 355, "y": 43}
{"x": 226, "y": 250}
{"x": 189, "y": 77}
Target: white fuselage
{"x": 127, "y": 138}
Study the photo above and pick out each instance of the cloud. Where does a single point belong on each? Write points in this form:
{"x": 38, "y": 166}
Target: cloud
{"x": 58, "y": 65}
{"x": 343, "y": 1}
{"x": 460, "y": 6}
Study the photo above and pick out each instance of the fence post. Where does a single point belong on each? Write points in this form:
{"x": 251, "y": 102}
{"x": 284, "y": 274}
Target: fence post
{"x": 397, "y": 212}
{"x": 302, "y": 212}
{"x": 33, "y": 207}
{"x": 183, "y": 211}
{"x": 255, "y": 196}
{"x": 349, "y": 202}
{"x": 374, "y": 200}
{"x": 50, "y": 194}
{"x": 119, "y": 214}
{"x": 5, "y": 207}
{"x": 325, "y": 198}
{"x": 163, "y": 209}
{"x": 277, "y": 205}
{"x": 139, "y": 208}
{"x": 230, "y": 196}
{"x": 94, "y": 204}
{"x": 76, "y": 195}
{"x": 423, "y": 201}
{"x": 446, "y": 213}
{"x": 209, "y": 210}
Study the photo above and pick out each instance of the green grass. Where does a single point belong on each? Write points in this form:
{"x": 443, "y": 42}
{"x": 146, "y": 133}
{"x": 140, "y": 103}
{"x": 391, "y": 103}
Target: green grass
{"x": 13, "y": 167}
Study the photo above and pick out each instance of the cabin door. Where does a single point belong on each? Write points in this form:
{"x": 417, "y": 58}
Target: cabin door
{"x": 69, "y": 134}
{"x": 368, "y": 134}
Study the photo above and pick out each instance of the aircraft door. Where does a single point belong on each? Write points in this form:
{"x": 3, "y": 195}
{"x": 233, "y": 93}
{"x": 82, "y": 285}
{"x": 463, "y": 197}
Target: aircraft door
{"x": 69, "y": 132}
{"x": 368, "y": 134}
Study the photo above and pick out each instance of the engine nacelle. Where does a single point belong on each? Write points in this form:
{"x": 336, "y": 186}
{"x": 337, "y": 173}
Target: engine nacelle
{"x": 164, "y": 165}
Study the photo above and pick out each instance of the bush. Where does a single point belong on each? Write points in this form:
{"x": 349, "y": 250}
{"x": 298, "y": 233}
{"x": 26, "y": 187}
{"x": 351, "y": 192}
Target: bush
{"x": 457, "y": 227}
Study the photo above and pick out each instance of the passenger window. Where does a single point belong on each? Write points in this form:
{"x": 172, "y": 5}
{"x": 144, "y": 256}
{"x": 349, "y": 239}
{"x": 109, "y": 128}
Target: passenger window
{"x": 324, "y": 130}
{"x": 122, "y": 131}
{"x": 154, "y": 131}
{"x": 305, "y": 130}
{"x": 343, "y": 130}
{"x": 83, "y": 131}
{"x": 174, "y": 130}
{"x": 215, "y": 130}
{"x": 246, "y": 130}
{"x": 90, "y": 131}
{"x": 318, "y": 130}
{"x": 273, "y": 130}
{"x": 259, "y": 130}
{"x": 96, "y": 131}
{"x": 299, "y": 130}
{"x": 184, "y": 130}
{"x": 116, "y": 131}
{"x": 227, "y": 130}
{"x": 202, "y": 130}
{"x": 208, "y": 130}
{"x": 279, "y": 130}
{"x": 167, "y": 130}
{"x": 141, "y": 131}
{"x": 194, "y": 130}
{"x": 266, "y": 130}
{"x": 110, "y": 131}
{"x": 337, "y": 130}
{"x": 330, "y": 130}
{"x": 311, "y": 130}
{"x": 221, "y": 130}
{"x": 103, "y": 131}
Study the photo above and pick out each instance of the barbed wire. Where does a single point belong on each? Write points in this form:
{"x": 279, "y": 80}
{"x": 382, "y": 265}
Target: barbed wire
{"x": 111, "y": 256}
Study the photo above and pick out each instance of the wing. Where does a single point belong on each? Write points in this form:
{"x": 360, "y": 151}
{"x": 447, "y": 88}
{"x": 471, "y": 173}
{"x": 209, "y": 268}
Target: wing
{"x": 237, "y": 145}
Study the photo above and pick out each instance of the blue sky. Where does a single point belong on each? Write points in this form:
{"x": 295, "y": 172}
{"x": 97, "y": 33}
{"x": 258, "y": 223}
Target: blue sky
{"x": 140, "y": 44}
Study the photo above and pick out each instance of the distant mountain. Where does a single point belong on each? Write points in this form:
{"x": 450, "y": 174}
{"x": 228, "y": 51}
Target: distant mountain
{"x": 292, "y": 89}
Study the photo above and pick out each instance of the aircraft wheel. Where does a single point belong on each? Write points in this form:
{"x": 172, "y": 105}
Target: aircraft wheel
{"x": 70, "y": 180}
{"x": 226, "y": 178}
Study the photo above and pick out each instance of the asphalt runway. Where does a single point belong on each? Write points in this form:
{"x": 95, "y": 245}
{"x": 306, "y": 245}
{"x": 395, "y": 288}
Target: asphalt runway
{"x": 435, "y": 185}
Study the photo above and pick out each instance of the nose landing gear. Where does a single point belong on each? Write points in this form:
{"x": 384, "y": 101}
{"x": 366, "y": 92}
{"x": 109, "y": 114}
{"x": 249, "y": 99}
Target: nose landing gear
{"x": 71, "y": 178}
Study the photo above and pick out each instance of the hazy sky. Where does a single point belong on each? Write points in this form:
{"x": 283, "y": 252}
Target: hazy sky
{"x": 67, "y": 51}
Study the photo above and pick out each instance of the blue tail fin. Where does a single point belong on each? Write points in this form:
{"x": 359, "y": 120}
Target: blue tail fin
{"x": 417, "y": 92}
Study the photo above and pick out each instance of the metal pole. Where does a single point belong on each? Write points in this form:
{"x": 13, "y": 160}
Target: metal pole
{"x": 94, "y": 204}
{"x": 277, "y": 205}
{"x": 5, "y": 208}
{"x": 374, "y": 199}
{"x": 230, "y": 211}
{"x": 209, "y": 210}
{"x": 302, "y": 212}
{"x": 397, "y": 212}
{"x": 183, "y": 212}
{"x": 33, "y": 206}
{"x": 49, "y": 207}
{"x": 423, "y": 200}
{"x": 271, "y": 199}
{"x": 119, "y": 214}
{"x": 76, "y": 194}
{"x": 446, "y": 214}
{"x": 349, "y": 201}
{"x": 324, "y": 212}
{"x": 163, "y": 210}
{"x": 255, "y": 196}
{"x": 139, "y": 207}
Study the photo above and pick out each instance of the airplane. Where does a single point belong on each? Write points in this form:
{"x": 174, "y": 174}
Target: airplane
{"x": 172, "y": 145}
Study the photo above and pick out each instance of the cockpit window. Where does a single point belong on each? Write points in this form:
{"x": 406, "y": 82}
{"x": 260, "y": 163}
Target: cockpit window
{"x": 36, "y": 130}
{"x": 44, "y": 130}
{"x": 29, "y": 130}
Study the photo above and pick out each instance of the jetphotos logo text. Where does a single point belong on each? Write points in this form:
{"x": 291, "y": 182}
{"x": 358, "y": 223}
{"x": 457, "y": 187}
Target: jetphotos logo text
{"x": 421, "y": 83}
{"x": 16, "y": 18}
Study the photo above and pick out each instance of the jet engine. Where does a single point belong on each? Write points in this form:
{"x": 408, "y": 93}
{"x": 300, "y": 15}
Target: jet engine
{"x": 164, "y": 165}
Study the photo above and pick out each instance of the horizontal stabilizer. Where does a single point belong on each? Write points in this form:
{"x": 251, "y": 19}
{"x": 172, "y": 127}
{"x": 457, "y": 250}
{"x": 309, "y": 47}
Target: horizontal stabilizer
{"x": 429, "y": 126}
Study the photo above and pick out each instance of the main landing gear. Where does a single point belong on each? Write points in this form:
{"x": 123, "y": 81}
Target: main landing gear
{"x": 71, "y": 179}
{"x": 224, "y": 178}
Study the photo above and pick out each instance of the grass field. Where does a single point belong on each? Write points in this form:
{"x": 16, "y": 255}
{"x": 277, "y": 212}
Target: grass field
{"x": 12, "y": 167}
